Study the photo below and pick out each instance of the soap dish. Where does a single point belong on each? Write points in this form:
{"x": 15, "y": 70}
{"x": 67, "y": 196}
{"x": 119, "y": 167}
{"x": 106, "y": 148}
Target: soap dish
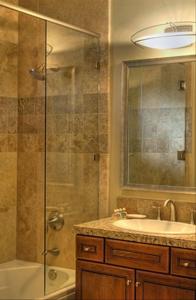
{"x": 136, "y": 216}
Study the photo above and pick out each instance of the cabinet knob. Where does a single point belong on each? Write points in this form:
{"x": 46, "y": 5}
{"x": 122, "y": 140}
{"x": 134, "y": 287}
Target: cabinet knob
{"x": 186, "y": 264}
{"x": 86, "y": 249}
{"x": 129, "y": 282}
{"x": 137, "y": 284}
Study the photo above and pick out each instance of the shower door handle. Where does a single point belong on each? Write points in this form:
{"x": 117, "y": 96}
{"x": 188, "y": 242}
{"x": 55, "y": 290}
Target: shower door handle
{"x": 181, "y": 155}
{"x": 44, "y": 252}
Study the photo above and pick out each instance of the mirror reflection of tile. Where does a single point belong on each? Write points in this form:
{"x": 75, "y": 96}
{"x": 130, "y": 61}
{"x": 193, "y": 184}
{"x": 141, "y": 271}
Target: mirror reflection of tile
{"x": 160, "y": 116}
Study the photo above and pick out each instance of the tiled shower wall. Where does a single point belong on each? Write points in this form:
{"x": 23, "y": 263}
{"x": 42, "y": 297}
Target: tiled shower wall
{"x": 8, "y": 132}
{"x": 31, "y": 141}
{"x": 92, "y": 15}
{"x": 76, "y": 148}
{"x": 21, "y": 137}
{"x": 24, "y": 101}
{"x": 72, "y": 139}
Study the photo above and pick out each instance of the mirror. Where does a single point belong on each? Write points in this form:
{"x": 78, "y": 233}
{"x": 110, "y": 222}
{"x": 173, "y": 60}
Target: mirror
{"x": 159, "y": 143}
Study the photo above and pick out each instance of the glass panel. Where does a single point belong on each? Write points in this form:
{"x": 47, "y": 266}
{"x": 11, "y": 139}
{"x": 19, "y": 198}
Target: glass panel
{"x": 72, "y": 169}
{"x": 161, "y": 114}
{"x": 22, "y": 155}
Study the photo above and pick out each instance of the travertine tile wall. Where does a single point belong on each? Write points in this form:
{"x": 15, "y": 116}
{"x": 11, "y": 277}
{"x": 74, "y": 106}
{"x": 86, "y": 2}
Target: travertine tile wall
{"x": 31, "y": 140}
{"x": 92, "y": 15}
{"x": 72, "y": 175}
{"x": 72, "y": 137}
{"x": 8, "y": 132}
{"x": 146, "y": 206}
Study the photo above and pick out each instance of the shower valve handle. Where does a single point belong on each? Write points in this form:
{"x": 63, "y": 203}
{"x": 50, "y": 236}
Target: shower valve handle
{"x": 54, "y": 252}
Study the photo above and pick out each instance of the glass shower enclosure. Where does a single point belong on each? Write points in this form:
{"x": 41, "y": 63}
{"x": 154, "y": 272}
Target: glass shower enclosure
{"x": 49, "y": 168}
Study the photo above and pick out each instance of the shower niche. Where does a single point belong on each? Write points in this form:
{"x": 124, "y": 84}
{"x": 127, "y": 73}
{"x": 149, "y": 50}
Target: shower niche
{"x": 159, "y": 123}
{"x": 48, "y": 140}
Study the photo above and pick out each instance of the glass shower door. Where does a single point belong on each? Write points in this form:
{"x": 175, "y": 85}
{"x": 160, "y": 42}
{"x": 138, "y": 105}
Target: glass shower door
{"x": 72, "y": 167}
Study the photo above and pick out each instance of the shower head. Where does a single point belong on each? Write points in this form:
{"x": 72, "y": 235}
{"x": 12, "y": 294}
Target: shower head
{"x": 39, "y": 71}
{"x": 37, "y": 74}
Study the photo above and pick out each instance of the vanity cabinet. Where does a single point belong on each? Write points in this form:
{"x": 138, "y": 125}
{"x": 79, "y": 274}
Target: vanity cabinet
{"x": 137, "y": 256}
{"x": 103, "y": 282}
{"x": 151, "y": 286}
{"x": 109, "y": 269}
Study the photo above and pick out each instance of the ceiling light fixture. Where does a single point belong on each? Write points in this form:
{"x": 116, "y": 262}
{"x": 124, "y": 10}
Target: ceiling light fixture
{"x": 166, "y": 36}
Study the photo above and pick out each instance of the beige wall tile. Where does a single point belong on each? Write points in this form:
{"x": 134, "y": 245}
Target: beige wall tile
{"x": 8, "y": 132}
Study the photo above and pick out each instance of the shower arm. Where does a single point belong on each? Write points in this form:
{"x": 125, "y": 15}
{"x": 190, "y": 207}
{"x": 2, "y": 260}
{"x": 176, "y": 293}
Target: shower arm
{"x": 53, "y": 220}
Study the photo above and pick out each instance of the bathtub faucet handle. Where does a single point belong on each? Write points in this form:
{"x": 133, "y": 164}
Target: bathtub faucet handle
{"x": 53, "y": 251}
{"x": 55, "y": 220}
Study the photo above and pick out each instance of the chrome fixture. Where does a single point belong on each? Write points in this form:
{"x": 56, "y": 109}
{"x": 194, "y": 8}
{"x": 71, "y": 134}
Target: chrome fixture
{"x": 53, "y": 251}
{"x": 181, "y": 155}
{"x": 120, "y": 213}
{"x": 173, "y": 210}
{"x": 56, "y": 220}
{"x": 52, "y": 274}
{"x": 181, "y": 85}
{"x": 170, "y": 35}
{"x": 158, "y": 208}
{"x": 129, "y": 282}
{"x": 39, "y": 71}
{"x": 193, "y": 211}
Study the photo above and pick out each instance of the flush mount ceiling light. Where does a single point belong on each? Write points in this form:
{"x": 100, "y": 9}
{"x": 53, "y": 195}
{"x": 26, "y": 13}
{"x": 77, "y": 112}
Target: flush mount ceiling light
{"x": 166, "y": 36}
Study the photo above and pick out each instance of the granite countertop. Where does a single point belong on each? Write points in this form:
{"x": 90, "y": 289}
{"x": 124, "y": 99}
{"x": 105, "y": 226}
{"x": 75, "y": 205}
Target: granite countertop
{"x": 105, "y": 228}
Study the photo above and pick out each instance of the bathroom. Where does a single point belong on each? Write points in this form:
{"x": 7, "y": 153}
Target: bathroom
{"x": 92, "y": 121}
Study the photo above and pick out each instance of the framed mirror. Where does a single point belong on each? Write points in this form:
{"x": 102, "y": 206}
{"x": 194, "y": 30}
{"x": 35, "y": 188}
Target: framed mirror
{"x": 159, "y": 123}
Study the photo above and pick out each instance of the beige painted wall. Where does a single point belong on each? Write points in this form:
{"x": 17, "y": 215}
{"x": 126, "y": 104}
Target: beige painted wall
{"x": 127, "y": 17}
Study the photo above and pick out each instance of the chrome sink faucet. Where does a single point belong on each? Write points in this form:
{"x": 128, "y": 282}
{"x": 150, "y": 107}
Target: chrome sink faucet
{"x": 173, "y": 209}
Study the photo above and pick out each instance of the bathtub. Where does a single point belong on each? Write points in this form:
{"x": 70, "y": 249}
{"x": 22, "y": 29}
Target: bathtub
{"x": 22, "y": 280}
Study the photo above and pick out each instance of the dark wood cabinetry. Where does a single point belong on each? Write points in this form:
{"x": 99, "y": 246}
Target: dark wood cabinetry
{"x": 90, "y": 248}
{"x": 103, "y": 282}
{"x": 183, "y": 262}
{"x": 137, "y": 256}
{"x": 151, "y": 286}
{"x": 110, "y": 269}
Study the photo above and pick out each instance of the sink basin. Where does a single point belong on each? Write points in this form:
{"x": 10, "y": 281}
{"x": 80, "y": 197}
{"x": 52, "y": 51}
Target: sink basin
{"x": 156, "y": 226}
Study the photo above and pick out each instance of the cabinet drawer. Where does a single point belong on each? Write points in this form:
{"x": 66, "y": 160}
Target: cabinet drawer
{"x": 90, "y": 248}
{"x": 183, "y": 262}
{"x": 137, "y": 256}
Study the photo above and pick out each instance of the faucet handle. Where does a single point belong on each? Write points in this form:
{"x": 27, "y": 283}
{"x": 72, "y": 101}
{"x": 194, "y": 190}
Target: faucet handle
{"x": 158, "y": 208}
{"x": 120, "y": 213}
{"x": 193, "y": 211}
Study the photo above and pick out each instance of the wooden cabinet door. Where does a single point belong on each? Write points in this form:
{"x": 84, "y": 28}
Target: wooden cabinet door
{"x": 152, "y": 286}
{"x": 102, "y": 282}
